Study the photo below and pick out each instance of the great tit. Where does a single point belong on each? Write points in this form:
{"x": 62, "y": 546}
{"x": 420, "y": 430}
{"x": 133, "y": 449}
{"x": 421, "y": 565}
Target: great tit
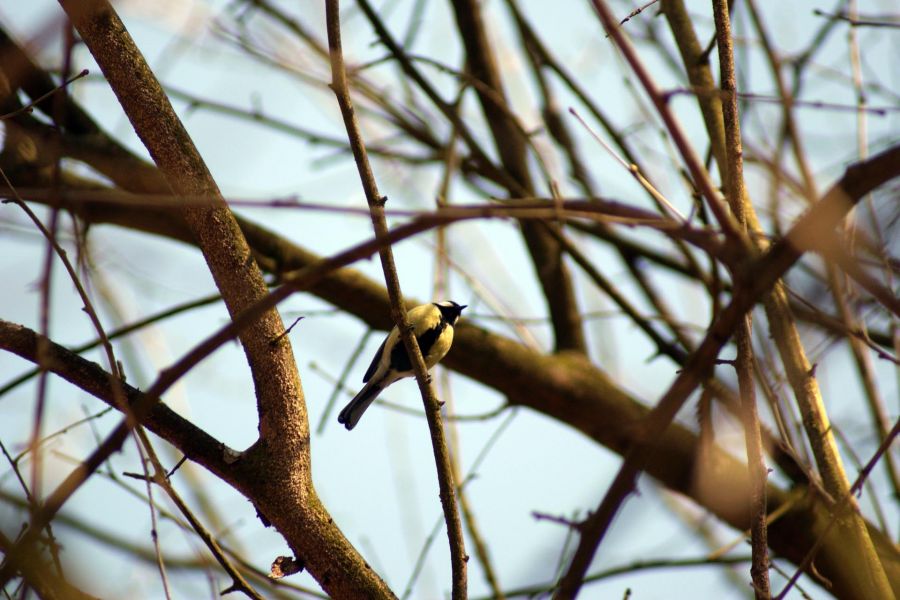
{"x": 433, "y": 327}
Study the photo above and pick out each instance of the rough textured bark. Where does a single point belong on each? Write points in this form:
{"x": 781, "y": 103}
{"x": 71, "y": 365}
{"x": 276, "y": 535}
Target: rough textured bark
{"x": 277, "y": 473}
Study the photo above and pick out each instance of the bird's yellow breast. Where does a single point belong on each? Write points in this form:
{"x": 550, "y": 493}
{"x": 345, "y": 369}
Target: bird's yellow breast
{"x": 440, "y": 348}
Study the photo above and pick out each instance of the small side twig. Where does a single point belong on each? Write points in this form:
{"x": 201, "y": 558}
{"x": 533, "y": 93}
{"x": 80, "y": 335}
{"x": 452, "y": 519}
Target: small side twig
{"x": 30, "y": 106}
{"x": 287, "y": 331}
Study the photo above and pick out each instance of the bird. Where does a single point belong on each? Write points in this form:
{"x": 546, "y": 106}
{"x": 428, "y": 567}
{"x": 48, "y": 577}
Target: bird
{"x": 432, "y": 325}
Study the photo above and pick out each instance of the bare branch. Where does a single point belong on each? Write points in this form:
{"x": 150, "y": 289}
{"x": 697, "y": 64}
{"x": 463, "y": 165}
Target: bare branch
{"x": 447, "y": 487}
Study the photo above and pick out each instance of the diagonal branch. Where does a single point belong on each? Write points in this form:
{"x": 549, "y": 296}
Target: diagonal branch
{"x": 758, "y": 280}
{"x": 286, "y": 497}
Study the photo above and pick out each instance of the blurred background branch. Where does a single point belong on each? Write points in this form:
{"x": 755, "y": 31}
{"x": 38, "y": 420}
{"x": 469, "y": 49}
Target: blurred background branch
{"x": 520, "y": 122}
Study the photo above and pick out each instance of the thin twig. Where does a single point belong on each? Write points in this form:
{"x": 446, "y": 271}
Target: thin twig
{"x": 447, "y": 494}
{"x": 30, "y": 106}
{"x": 638, "y": 11}
{"x": 120, "y": 332}
{"x": 339, "y": 382}
{"x": 698, "y": 173}
{"x": 735, "y": 194}
{"x": 538, "y": 591}
{"x": 161, "y": 478}
{"x": 855, "y": 21}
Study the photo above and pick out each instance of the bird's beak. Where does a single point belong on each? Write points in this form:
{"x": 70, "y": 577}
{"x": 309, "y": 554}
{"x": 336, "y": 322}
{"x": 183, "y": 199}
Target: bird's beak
{"x": 462, "y": 307}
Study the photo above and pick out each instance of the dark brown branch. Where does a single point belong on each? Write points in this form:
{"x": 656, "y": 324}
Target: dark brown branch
{"x": 90, "y": 377}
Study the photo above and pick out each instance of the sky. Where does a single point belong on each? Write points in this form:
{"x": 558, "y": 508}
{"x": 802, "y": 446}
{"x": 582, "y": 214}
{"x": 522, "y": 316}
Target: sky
{"x": 378, "y": 482}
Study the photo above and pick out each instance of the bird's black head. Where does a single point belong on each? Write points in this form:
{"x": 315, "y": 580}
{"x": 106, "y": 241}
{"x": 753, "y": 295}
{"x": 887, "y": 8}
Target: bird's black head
{"x": 450, "y": 310}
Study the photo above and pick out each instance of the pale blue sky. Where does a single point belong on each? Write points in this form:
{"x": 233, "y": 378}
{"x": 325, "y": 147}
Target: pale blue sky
{"x": 378, "y": 481}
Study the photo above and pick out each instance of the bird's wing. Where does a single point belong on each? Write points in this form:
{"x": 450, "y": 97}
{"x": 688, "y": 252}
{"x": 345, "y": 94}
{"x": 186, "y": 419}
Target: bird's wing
{"x": 375, "y": 360}
{"x": 426, "y": 320}
{"x": 427, "y": 339}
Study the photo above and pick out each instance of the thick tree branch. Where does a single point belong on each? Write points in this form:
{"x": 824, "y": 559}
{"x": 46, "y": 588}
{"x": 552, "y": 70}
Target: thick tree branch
{"x": 211, "y": 224}
{"x": 280, "y": 460}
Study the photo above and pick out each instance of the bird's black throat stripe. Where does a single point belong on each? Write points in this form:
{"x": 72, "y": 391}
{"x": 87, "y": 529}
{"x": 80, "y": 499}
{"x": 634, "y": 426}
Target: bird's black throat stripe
{"x": 400, "y": 359}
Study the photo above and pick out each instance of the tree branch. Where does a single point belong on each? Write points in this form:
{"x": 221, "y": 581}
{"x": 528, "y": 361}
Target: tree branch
{"x": 736, "y": 197}
{"x": 282, "y": 486}
{"x": 758, "y": 281}
{"x": 545, "y": 251}
{"x": 446, "y": 485}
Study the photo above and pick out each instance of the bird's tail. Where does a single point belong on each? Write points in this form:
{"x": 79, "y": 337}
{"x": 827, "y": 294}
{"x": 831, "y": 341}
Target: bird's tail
{"x": 351, "y": 414}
